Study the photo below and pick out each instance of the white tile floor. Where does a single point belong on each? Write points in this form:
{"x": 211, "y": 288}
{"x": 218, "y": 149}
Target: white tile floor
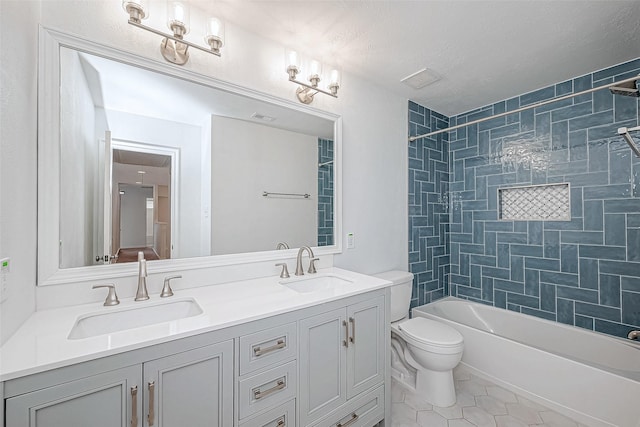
{"x": 480, "y": 403}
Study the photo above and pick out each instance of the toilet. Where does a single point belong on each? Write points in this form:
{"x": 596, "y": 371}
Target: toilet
{"x": 424, "y": 351}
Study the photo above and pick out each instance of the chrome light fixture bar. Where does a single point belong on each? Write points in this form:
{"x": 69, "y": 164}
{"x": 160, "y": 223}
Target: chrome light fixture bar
{"x": 174, "y": 47}
{"x": 306, "y": 91}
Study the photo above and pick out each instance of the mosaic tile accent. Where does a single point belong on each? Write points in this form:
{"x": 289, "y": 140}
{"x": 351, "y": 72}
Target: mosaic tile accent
{"x": 428, "y": 206}
{"x": 535, "y": 203}
{"x": 325, "y": 192}
{"x": 583, "y": 272}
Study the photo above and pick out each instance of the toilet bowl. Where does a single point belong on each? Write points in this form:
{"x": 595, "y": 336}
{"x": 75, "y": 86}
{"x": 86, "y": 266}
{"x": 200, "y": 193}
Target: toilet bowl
{"x": 422, "y": 347}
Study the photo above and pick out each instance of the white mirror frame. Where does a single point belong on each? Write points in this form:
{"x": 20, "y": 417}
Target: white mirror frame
{"x": 49, "y": 272}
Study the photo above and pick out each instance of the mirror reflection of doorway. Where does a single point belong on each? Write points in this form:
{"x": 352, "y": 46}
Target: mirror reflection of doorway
{"x": 141, "y": 208}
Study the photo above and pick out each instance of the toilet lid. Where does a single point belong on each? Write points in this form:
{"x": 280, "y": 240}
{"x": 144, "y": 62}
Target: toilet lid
{"x": 431, "y": 332}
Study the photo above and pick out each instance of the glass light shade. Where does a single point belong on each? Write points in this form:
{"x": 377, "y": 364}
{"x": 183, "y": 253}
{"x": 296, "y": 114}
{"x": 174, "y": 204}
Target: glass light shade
{"x": 334, "y": 78}
{"x": 140, "y": 8}
{"x": 291, "y": 59}
{"x": 215, "y": 29}
{"x": 315, "y": 69}
{"x": 178, "y": 15}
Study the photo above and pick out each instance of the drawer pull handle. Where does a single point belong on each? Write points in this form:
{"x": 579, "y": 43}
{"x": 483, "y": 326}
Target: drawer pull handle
{"x": 134, "y": 406}
{"x": 152, "y": 415}
{"x": 259, "y": 394}
{"x": 353, "y": 419}
{"x": 260, "y": 351}
{"x": 352, "y": 339}
{"x": 345, "y": 342}
{"x": 281, "y": 422}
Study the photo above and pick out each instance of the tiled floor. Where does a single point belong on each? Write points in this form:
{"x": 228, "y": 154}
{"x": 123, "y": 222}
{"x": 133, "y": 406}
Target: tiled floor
{"x": 480, "y": 403}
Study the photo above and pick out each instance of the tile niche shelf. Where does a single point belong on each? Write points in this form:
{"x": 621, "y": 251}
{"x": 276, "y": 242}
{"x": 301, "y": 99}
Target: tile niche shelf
{"x": 547, "y": 202}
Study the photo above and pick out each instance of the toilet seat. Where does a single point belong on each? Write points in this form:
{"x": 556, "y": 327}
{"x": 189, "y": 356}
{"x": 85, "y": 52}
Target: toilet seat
{"x": 431, "y": 336}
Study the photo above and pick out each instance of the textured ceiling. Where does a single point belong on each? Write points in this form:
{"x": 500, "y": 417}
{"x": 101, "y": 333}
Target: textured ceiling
{"x": 483, "y": 51}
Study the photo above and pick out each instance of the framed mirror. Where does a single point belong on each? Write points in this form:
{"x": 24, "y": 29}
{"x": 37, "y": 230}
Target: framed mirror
{"x": 140, "y": 156}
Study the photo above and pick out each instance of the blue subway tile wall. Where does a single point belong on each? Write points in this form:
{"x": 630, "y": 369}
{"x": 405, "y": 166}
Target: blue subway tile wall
{"x": 325, "y": 192}
{"x": 583, "y": 272}
{"x": 428, "y": 206}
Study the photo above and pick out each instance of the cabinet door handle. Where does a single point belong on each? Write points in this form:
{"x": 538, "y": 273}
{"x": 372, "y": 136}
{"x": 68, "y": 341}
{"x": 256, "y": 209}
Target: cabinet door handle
{"x": 345, "y": 341}
{"x": 353, "y": 419}
{"x": 259, "y": 394}
{"x": 152, "y": 415}
{"x": 260, "y": 351}
{"x": 352, "y": 339}
{"x": 134, "y": 406}
{"x": 281, "y": 422}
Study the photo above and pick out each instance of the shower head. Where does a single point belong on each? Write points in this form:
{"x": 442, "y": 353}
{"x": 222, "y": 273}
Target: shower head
{"x": 627, "y": 89}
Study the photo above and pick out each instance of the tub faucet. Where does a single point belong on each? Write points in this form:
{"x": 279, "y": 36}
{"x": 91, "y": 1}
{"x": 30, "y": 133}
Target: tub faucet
{"x": 634, "y": 335}
{"x": 141, "y": 293}
{"x": 312, "y": 260}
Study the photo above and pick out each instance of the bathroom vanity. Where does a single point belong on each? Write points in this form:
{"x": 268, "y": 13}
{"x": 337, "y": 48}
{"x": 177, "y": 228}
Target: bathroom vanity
{"x": 305, "y": 351}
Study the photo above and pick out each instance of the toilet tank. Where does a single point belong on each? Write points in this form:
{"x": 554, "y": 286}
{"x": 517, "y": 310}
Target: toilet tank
{"x": 400, "y": 292}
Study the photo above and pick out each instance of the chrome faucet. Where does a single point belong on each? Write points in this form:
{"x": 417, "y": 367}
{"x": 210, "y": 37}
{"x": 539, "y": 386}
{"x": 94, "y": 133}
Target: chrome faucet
{"x": 634, "y": 335}
{"x": 141, "y": 293}
{"x": 312, "y": 260}
{"x": 282, "y": 245}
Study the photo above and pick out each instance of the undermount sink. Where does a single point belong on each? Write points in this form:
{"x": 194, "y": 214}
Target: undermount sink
{"x": 89, "y": 325}
{"x": 315, "y": 283}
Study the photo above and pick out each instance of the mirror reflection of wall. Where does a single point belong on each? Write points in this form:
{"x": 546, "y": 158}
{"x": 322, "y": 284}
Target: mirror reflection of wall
{"x": 227, "y": 150}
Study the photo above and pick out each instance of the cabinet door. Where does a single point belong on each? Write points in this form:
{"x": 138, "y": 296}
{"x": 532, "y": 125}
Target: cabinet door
{"x": 322, "y": 362}
{"x": 365, "y": 353}
{"x": 104, "y": 400}
{"x": 194, "y": 388}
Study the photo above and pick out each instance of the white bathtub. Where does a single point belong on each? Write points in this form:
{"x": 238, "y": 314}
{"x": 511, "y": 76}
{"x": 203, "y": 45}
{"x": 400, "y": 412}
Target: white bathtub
{"x": 590, "y": 377}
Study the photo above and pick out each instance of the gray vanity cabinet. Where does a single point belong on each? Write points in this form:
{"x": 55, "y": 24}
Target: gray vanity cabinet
{"x": 341, "y": 356}
{"x": 111, "y": 399}
{"x": 192, "y": 388}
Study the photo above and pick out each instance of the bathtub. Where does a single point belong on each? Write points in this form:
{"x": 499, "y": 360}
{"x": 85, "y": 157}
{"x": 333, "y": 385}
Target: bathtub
{"x": 590, "y": 377}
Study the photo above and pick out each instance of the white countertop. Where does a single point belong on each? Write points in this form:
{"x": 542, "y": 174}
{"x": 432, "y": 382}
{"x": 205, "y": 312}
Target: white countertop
{"x": 41, "y": 343}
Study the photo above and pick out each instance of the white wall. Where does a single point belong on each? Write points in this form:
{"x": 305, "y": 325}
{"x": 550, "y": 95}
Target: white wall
{"x": 79, "y": 165}
{"x": 374, "y": 134}
{"x": 133, "y": 216}
{"x": 248, "y": 159}
{"x": 18, "y": 121}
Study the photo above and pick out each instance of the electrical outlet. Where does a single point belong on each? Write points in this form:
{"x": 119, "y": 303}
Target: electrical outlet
{"x": 351, "y": 240}
{"x": 5, "y": 269}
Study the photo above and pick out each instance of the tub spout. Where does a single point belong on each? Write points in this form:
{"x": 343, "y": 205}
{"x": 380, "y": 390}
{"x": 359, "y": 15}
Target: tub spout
{"x": 634, "y": 335}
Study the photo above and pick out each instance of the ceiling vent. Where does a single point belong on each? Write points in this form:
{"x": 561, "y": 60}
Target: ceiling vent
{"x": 421, "y": 78}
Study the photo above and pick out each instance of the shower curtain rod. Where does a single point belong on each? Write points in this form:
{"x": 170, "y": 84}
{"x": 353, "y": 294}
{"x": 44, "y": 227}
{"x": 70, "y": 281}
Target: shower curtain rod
{"x": 525, "y": 108}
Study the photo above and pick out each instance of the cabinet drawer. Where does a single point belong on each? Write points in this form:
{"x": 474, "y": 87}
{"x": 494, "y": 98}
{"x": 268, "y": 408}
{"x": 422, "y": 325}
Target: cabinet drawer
{"x": 267, "y": 347}
{"x": 362, "y": 411}
{"x": 267, "y": 389}
{"x": 282, "y": 416}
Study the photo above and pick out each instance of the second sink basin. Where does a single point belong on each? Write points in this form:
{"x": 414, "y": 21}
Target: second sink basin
{"x": 93, "y": 324}
{"x": 315, "y": 283}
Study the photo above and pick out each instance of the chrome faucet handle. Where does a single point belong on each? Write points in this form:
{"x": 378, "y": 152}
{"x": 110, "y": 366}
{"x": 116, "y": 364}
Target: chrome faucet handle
{"x": 312, "y": 265}
{"x": 112, "y": 297}
{"x": 284, "y": 274}
{"x": 166, "y": 288}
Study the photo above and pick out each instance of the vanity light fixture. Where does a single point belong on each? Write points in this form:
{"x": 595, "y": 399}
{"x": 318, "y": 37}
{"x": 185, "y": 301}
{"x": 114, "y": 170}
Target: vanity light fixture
{"x": 306, "y": 91}
{"x": 175, "y": 48}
